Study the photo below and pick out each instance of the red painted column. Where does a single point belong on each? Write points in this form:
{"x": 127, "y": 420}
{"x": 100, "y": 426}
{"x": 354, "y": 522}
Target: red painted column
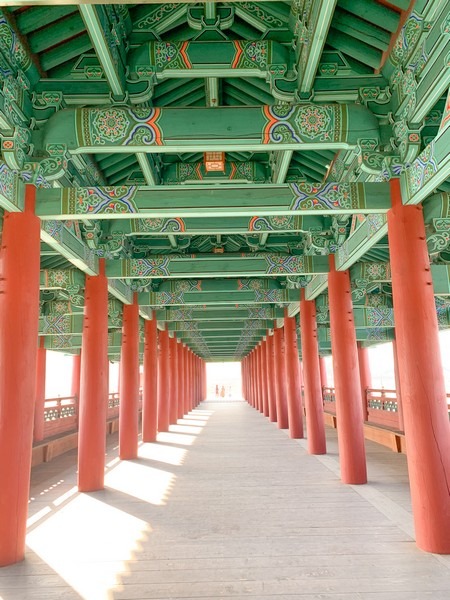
{"x": 76, "y": 381}
{"x": 264, "y": 374}
{"x": 272, "y": 393}
{"x": 190, "y": 402}
{"x": 180, "y": 363}
{"x": 252, "y": 378}
{"x": 323, "y": 372}
{"x": 349, "y": 416}
{"x": 398, "y": 389}
{"x": 173, "y": 380}
{"x": 39, "y": 407}
{"x": 365, "y": 377}
{"x": 94, "y": 384}
{"x": 187, "y": 381}
{"x": 19, "y": 314}
{"x": 315, "y": 428}
{"x": 427, "y": 428}
{"x": 280, "y": 379}
{"x": 293, "y": 383}
{"x": 255, "y": 379}
{"x": 129, "y": 383}
{"x": 163, "y": 381}
{"x": 260, "y": 378}
{"x": 150, "y": 391}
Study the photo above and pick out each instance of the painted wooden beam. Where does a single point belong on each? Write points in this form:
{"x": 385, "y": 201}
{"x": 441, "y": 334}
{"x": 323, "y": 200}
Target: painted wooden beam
{"x": 312, "y": 27}
{"x": 129, "y": 129}
{"x": 236, "y": 58}
{"x": 224, "y": 314}
{"x": 174, "y": 202}
{"x": 98, "y": 27}
{"x": 214, "y": 265}
{"x": 195, "y": 172}
{"x": 156, "y": 299}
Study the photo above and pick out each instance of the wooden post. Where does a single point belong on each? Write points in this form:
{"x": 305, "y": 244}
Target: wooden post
{"x": 163, "y": 381}
{"x": 293, "y": 385}
{"x": 349, "y": 416}
{"x": 280, "y": 379}
{"x": 150, "y": 391}
{"x": 365, "y": 377}
{"x": 39, "y": 407}
{"x": 173, "y": 410}
{"x": 94, "y": 383}
{"x": 427, "y": 428}
{"x": 315, "y": 428}
{"x": 19, "y": 326}
{"x": 129, "y": 383}
{"x": 272, "y": 393}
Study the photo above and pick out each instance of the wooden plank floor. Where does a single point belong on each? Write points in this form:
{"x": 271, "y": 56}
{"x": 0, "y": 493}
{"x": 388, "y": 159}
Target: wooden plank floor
{"x": 225, "y": 506}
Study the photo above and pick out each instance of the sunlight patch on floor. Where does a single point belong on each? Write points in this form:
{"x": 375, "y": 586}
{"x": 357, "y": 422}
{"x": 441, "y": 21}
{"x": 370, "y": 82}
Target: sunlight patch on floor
{"x": 178, "y": 439}
{"x": 181, "y": 428}
{"x": 164, "y": 454}
{"x": 141, "y": 481}
{"x": 88, "y": 543}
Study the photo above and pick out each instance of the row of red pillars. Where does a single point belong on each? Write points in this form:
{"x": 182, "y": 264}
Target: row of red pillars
{"x": 271, "y": 377}
{"x": 174, "y": 380}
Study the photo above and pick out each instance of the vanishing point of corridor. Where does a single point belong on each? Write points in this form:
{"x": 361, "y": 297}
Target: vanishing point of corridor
{"x": 225, "y": 505}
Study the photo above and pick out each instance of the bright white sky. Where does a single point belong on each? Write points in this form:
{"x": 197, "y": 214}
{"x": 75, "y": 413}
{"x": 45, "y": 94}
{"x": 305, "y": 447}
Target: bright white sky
{"x": 59, "y": 371}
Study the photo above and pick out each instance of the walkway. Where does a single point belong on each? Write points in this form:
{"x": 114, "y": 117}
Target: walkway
{"x": 225, "y": 506}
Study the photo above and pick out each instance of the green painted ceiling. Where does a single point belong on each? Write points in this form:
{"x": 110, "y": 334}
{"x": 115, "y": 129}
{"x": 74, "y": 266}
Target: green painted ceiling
{"x": 323, "y": 52}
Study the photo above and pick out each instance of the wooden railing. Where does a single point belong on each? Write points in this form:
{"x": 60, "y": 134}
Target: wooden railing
{"x": 61, "y": 414}
{"x": 382, "y": 406}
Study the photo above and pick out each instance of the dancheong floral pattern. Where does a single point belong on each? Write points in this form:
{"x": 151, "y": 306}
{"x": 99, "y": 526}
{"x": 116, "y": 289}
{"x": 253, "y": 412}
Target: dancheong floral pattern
{"x": 313, "y": 121}
{"x": 305, "y": 123}
{"x": 110, "y": 125}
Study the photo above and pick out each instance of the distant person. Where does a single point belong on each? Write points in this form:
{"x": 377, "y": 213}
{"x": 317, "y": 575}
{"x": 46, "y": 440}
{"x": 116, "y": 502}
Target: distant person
{"x": 217, "y": 390}
{"x": 222, "y": 392}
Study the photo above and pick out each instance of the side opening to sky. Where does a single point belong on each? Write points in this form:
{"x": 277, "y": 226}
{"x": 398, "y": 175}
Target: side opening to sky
{"x": 223, "y": 380}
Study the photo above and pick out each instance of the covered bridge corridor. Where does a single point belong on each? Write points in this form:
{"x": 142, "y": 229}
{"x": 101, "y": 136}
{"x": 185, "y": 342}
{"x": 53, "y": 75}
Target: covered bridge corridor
{"x": 225, "y": 505}
{"x": 261, "y": 182}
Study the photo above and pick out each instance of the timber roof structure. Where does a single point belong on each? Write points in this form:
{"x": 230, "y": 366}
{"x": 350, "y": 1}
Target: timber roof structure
{"x": 306, "y": 108}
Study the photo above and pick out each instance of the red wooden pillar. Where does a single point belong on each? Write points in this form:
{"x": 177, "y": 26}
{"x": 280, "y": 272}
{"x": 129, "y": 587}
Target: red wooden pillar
{"x": 398, "y": 389}
{"x": 39, "y": 407}
{"x": 347, "y": 382}
{"x": 427, "y": 429}
{"x": 315, "y": 428}
{"x": 188, "y": 379}
{"x": 163, "y": 381}
{"x": 255, "y": 365}
{"x": 173, "y": 380}
{"x": 264, "y": 375}
{"x": 365, "y": 377}
{"x": 180, "y": 363}
{"x": 94, "y": 384}
{"x": 323, "y": 372}
{"x": 205, "y": 380}
{"x": 280, "y": 379}
{"x": 75, "y": 383}
{"x": 150, "y": 391}
{"x": 129, "y": 383}
{"x": 293, "y": 383}
{"x": 272, "y": 393}
{"x": 258, "y": 378}
{"x": 243, "y": 382}
{"x": 189, "y": 363}
{"x": 19, "y": 326}
{"x": 252, "y": 378}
